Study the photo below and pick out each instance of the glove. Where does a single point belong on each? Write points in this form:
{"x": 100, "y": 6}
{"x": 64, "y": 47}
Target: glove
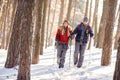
{"x": 56, "y": 43}
{"x": 70, "y": 37}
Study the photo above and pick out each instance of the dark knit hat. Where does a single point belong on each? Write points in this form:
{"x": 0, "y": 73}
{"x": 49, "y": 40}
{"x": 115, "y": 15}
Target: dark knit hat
{"x": 85, "y": 19}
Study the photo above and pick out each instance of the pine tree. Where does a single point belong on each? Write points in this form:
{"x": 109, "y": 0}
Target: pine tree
{"x": 117, "y": 66}
{"x": 107, "y": 45}
{"x": 118, "y": 31}
{"x": 13, "y": 49}
{"x": 102, "y": 25}
{"x": 25, "y": 39}
{"x": 36, "y": 49}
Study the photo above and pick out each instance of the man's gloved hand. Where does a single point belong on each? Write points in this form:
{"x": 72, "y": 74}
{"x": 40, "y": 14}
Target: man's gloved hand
{"x": 70, "y": 37}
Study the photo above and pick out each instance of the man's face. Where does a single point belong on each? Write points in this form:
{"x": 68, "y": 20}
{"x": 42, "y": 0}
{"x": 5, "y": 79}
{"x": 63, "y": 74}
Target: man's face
{"x": 85, "y": 22}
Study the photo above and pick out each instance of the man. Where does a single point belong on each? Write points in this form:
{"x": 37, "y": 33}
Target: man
{"x": 82, "y": 31}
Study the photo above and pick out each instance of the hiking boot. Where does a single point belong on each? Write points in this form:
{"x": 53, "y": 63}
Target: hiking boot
{"x": 61, "y": 66}
{"x": 78, "y": 66}
{"x": 75, "y": 63}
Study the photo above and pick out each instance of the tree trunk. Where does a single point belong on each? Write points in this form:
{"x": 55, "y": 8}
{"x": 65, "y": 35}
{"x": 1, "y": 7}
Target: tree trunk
{"x": 25, "y": 35}
{"x": 7, "y": 22}
{"x": 47, "y": 27}
{"x": 69, "y": 10}
{"x": 94, "y": 21}
{"x": 53, "y": 19}
{"x": 36, "y": 49}
{"x": 117, "y": 66}
{"x": 12, "y": 16}
{"x": 13, "y": 50}
{"x": 2, "y": 5}
{"x": 96, "y": 31}
{"x": 43, "y": 27}
{"x": 86, "y": 9}
{"x": 107, "y": 45}
{"x": 61, "y": 13}
{"x": 102, "y": 26}
{"x": 4, "y": 14}
{"x": 75, "y": 5}
{"x": 117, "y": 34}
{"x": 90, "y": 13}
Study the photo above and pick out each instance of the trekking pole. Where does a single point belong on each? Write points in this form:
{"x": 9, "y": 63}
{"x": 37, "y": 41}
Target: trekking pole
{"x": 70, "y": 54}
{"x": 54, "y": 54}
{"x": 89, "y": 56}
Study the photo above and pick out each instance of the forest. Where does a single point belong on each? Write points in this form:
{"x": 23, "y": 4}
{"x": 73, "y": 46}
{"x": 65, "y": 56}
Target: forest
{"x": 27, "y": 38}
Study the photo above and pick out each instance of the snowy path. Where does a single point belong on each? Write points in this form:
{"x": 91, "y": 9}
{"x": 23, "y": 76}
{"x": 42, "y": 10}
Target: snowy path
{"x": 48, "y": 69}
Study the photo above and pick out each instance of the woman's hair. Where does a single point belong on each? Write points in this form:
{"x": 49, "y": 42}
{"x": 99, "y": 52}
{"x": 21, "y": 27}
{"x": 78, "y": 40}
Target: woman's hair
{"x": 65, "y": 21}
{"x": 63, "y": 30}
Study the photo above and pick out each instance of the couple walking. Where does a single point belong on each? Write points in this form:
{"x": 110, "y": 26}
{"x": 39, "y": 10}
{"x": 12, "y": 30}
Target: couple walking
{"x": 65, "y": 33}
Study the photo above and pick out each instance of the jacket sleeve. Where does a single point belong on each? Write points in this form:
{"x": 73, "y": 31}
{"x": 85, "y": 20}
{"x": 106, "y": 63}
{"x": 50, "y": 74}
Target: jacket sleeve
{"x": 91, "y": 32}
{"x": 57, "y": 35}
{"x": 75, "y": 31}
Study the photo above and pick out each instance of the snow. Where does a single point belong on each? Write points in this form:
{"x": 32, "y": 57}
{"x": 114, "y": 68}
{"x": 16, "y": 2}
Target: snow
{"x": 47, "y": 69}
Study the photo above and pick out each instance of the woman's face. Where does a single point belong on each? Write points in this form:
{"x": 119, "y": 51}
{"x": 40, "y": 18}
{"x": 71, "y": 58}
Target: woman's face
{"x": 65, "y": 24}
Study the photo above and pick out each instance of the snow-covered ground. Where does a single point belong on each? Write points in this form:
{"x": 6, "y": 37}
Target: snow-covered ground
{"x": 47, "y": 69}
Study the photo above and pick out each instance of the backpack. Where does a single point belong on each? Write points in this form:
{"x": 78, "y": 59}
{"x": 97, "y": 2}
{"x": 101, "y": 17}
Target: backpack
{"x": 87, "y": 29}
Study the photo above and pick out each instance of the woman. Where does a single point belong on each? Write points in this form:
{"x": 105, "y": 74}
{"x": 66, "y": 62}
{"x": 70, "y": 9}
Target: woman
{"x": 62, "y": 39}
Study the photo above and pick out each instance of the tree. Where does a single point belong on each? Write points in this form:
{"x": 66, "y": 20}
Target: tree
{"x": 36, "y": 41}
{"x": 107, "y": 45}
{"x": 25, "y": 35}
{"x": 53, "y": 19}
{"x": 117, "y": 66}
{"x": 48, "y": 20}
{"x": 94, "y": 23}
{"x": 61, "y": 12}
{"x": 75, "y": 6}
{"x": 90, "y": 12}
{"x": 13, "y": 50}
{"x": 69, "y": 9}
{"x": 4, "y": 15}
{"x": 95, "y": 19}
{"x": 102, "y": 25}
{"x": 43, "y": 27}
{"x": 10, "y": 25}
{"x": 86, "y": 10}
{"x": 118, "y": 32}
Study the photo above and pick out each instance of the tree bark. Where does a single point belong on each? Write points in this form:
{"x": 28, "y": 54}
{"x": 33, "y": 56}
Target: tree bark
{"x": 69, "y": 10}
{"x": 86, "y": 9}
{"x": 4, "y": 15}
{"x": 75, "y": 5}
{"x": 102, "y": 26}
{"x": 36, "y": 49}
{"x": 47, "y": 27}
{"x": 90, "y": 12}
{"x": 51, "y": 28}
{"x": 117, "y": 34}
{"x": 13, "y": 50}
{"x": 61, "y": 13}
{"x": 107, "y": 45}
{"x": 12, "y": 16}
{"x": 25, "y": 38}
{"x": 94, "y": 21}
{"x": 117, "y": 66}
{"x": 43, "y": 27}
